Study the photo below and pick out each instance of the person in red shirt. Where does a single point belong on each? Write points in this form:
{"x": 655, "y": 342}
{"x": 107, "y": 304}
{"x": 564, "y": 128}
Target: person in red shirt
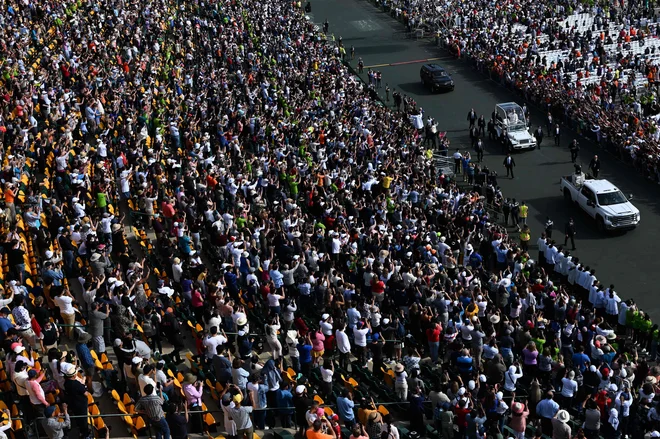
{"x": 168, "y": 211}
{"x": 461, "y": 413}
{"x": 211, "y": 182}
{"x": 378, "y": 289}
{"x": 433, "y": 338}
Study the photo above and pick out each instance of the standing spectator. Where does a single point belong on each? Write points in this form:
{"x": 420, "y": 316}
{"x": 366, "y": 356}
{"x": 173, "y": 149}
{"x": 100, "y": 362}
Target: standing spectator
{"x": 241, "y": 415}
{"x": 55, "y": 426}
{"x": 151, "y": 405}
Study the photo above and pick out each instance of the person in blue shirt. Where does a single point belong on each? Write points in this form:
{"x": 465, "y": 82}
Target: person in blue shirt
{"x": 231, "y": 279}
{"x": 185, "y": 244}
{"x": 352, "y": 316}
{"x": 284, "y": 399}
{"x": 464, "y": 362}
{"x": 608, "y": 355}
{"x": 85, "y": 357}
{"x": 305, "y": 351}
{"x": 5, "y": 323}
{"x": 501, "y": 251}
{"x": 580, "y": 359}
{"x": 345, "y": 406}
{"x": 546, "y": 410}
{"x": 52, "y": 276}
{"x": 476, "y": 260}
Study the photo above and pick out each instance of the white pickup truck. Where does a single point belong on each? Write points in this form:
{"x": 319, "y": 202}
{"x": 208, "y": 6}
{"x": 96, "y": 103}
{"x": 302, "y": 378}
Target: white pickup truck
{"x": 602, "y": 201}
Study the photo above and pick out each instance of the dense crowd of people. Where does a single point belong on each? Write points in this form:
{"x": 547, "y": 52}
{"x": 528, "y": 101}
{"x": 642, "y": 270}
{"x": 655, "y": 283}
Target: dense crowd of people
{"x": 604, "y": 84}
{"x": 301, "y": 230}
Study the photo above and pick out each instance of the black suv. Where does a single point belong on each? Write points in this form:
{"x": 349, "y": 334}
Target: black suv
{"x": 436, "y": 78}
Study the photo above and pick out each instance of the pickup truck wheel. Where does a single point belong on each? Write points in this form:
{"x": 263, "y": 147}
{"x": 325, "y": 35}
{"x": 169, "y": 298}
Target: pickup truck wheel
{"x": 567, "y": 197}
{"x": 600, "y": 225}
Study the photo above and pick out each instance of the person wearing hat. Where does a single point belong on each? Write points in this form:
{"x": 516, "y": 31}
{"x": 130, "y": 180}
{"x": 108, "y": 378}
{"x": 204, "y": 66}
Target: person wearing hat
{"x": 519, "y": 418}
{"x": 400, "y": 383}
{"x": 151, "y": 406}
{"x": 5, "y": 323}
{"x": 55, "y": 426}
{"x": 560, "y": 428}
{"x": 99, "y": 263}
{"x": 193, "y": 390}
{"x": 240, "y": 413}
{"x": 75, "y": 393}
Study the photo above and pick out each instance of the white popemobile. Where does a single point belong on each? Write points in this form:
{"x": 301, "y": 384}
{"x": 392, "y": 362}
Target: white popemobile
{"x": 510, "y": 117}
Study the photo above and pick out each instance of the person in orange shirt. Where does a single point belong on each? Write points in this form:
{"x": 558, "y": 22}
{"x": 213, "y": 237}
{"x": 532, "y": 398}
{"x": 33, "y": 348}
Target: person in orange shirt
{"x": 315, "y": 431}
{"x": 10, "y": 197}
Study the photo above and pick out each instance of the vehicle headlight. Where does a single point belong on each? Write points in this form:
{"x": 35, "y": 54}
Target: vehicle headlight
{"x": 608, "y": 218}
{"x": 451, "y": 82}
{"x": 514, "y": 141}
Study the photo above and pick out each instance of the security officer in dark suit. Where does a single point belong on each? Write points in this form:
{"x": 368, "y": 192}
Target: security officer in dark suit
{"x": 509, "y": 163}
{"x": 538, "y": 134}
{"x": 575, "y": 149}
{"x": 472, "y": 117}
{"x": 594, "y": 165}
{"x": 482, "y": 125}
{"x": 570, "y": 232}
{"x": 491, "y": 130}
{"x": 506, "y": 210}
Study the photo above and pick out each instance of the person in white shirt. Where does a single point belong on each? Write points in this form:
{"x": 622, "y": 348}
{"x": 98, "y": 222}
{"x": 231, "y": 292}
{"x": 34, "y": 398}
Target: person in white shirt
{"x": 550, "y": 254}
{"x": 511, "y": 377}
{"x": 327, "y": 373}
{"x": 19, "y": 378}
{"x": 146, "y": 378}
{"x": 569, "y": 389}
{"x": 212, "y": 342}
{"x": 177, "y": 270}
{"x": 215, "y": 320}
{"x": 542, "y": 245}
{"x": 64, "y": 302}
{"x": 623, "y": 311}
{"x": 574, "y": 271}
{"x": 326, "y": 325}
{"x": 559, "y": 260}
{"x": 343, "y": 345}
{"x": 612, "y": 301}
{"x": 566, "y": 264}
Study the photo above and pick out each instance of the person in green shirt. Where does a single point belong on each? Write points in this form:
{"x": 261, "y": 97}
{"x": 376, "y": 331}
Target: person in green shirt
{"x": 101, "y": 200}
{"x": 293, "y": 181}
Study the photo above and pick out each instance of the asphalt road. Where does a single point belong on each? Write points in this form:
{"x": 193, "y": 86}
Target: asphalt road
{"x": 627, "y": 260}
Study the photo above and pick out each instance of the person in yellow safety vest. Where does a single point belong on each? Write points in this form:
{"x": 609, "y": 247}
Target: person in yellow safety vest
{"x": 525, "y": 236}
{"x": 523, "y": 212}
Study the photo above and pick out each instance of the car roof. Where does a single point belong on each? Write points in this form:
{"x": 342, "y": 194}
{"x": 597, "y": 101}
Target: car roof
{"x": 600, "y": 186}
{"x": 434, "y": 67}
{"x": 508, "y": 106}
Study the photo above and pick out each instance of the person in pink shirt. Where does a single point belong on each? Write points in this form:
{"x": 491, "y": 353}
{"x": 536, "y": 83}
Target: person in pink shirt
{"x": 318, "y": 347}
{"x": 519, "y": 419}
{"x": 193, "y": 389}
{"x": 36, "y": 392}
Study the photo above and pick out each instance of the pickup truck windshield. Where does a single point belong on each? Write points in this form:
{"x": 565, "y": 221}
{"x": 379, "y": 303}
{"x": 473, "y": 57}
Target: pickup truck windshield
{"x": 611, "y": 198}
